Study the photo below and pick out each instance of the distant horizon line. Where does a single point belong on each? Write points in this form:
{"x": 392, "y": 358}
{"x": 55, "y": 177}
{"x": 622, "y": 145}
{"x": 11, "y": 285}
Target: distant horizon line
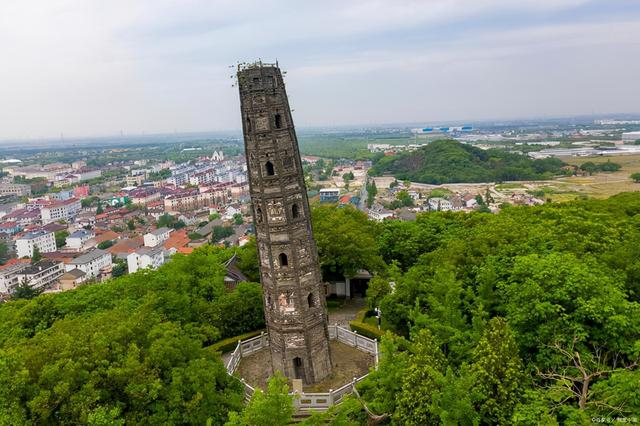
{"x": 238, "y": 131}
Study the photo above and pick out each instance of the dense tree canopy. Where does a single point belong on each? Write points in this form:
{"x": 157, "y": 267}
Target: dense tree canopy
{"x": 448, "y": 161}
{"x": 529, "y": 316}
{"x": 132, "y": 349}
{"x": 346, "y": 240}
{"x": 535, "y": 310}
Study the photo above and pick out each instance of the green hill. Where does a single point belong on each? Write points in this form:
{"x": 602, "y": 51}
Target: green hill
{"x": 448, "y": 161}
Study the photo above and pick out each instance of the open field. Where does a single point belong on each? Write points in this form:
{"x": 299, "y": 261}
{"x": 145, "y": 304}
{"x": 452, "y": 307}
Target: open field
{"x": 600, "y": 185}
{"x": 603, "y": 185}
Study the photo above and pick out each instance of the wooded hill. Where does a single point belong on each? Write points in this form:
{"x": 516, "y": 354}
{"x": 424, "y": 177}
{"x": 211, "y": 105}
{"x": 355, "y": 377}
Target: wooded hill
{"x": 448, "y": 161}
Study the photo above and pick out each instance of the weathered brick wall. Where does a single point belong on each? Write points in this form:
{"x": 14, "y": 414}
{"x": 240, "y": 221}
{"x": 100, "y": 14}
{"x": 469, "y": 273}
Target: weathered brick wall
{"x": 295, "y": 308}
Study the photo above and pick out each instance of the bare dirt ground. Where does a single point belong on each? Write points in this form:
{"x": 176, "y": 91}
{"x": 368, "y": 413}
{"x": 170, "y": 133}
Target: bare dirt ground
{"x": 347, "y": 363}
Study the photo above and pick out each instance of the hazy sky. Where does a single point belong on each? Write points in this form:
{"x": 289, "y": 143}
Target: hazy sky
{"x": 95, "y": 67}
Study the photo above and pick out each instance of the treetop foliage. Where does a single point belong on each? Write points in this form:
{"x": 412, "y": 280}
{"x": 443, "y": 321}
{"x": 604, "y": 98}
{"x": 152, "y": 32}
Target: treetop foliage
{"x": 447, "y": 161}
{"x": 130, "y": 350}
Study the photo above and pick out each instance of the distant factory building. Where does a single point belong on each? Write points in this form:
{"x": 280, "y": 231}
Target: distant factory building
{"x": 630, "y": 137}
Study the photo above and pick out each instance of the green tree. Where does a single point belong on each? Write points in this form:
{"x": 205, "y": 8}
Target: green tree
{"x": 498, "y": 372}
{"x": 178, "y": 224}
{"x": 589, "y": 167}
{"x": 4, "y": 252}
{"x": 119, "y": 267}
{"x": 404, "y": 198}
{"x": 100, "y": 209}
{"x": 105, "y": 244}
{"x": 382, "y": 386}
{"x": 346, "y": 240}
{"x": 131, "y": 225}
{"x": 166, "y": 220}
{"x": 61, "y": 238}
{"x": 273, "y": 407}
{"x": 421, "y": 381}
{"x": 36, "y": 256}
{"x": 372, "y": 191}
{"x": 24, "y": 291}
{"x": 635, "y": 177}
{"x": 220, "y": 232}
{"x": 132, "y": 349}
{"x": 237, "y": 219}
{"x": 248, "y": 260}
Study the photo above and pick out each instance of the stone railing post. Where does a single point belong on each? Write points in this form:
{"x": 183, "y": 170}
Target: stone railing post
{"x": 331, "y": 397}
{"x": 240, "y": 348}
{"x": 377, "y": 354}
{"x": 262, "y": 339}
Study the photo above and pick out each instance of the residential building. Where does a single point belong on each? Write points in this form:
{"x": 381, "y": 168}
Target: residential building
{"x": 61, "y": 195}
{"x": 10, "y": 228}
{"x": 457, "y": 203}
{"x": 470, "y": 201}
{"x": 79, "y": 164}
{"x": 440, "y": 204}
{"x": 44, "y": 240}
{"x": 187, "y": 200}
{"x": 379, "y": 213}
{"x": 135, "y": 180}
{"x": 145, "y": 257}
{"x": 42, "y": 274}
{"x": 24, "y": 217}
{"x": 15, "y": 189}
{"x": 94, "y": 263}
{"x": 202, "y": 178}
{"x": 72, "y": 279}
{"x": 61, "y": 210}
{"x": 123, "y": 248}
{"x": 81, "y": 191}
{"x": 144, "y": 196}
{"x": 87, "y": 174}
{"x": 8, "y": 278}
{"x": 78, "y": 238}
{"x": 329, "y": 195}
{"x": 156, "y": 236}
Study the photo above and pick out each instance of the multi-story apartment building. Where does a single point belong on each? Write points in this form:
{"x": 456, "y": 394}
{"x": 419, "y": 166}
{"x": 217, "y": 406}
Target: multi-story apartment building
{"x": 60, "y": 210}
{"x": 10, "y": 228}
{"x": 94, "y": 263}
{"x": 79, "y": 164}
{"x": 187, "y": 200}
{"x": 156, "y": 237}
{"x": 145, "y": 257}
{"x": 42, "y": 274}
{"x": 78, "y": 238}
{"x": 15, "y": 188}
{"x": 24, "y": 217}
{"x": 202, "y": 177}
{"x": 44, "y": 240}
{"x": 144, "y": 196}
{"x": 8, "y": 278}
{"x": 135, "y": 180}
